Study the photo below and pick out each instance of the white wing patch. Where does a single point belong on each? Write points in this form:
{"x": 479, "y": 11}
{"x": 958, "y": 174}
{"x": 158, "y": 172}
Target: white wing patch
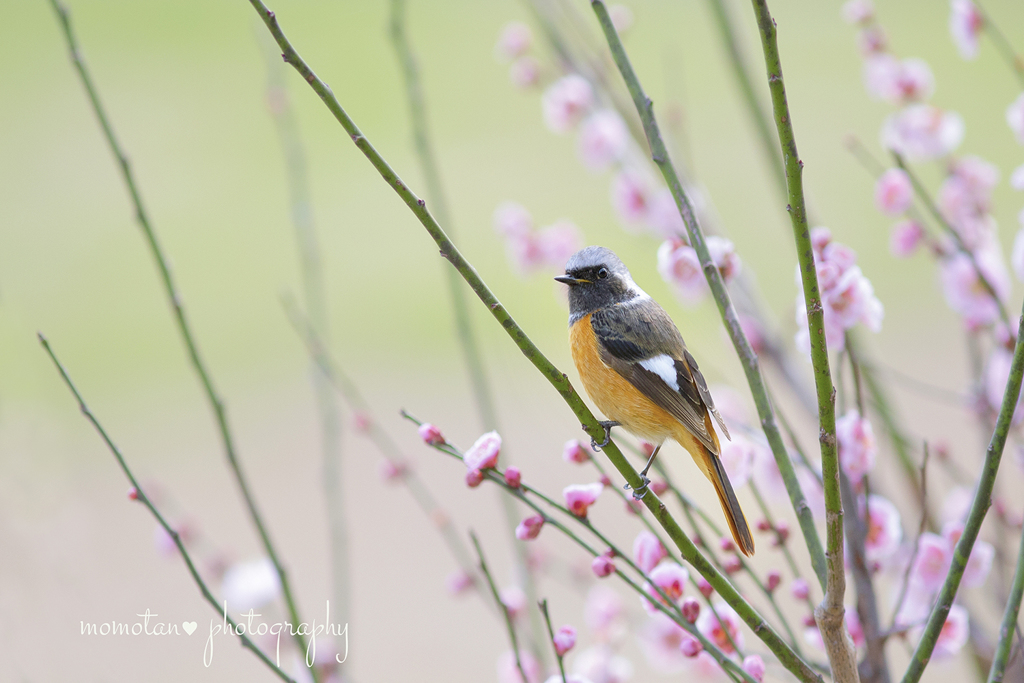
{"x": 664, "y": 367}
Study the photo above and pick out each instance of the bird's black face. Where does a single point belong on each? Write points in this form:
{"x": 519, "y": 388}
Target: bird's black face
{"x": 596, "y": 278}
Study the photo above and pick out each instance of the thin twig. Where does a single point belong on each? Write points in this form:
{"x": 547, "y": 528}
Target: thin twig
{"x": 1006, "y": 51}
{"x": 216, "y": 404}
{"x": 905, "y": 583}
{"x": 830, "y": 614}
{"x": 543, "y": 604}
{"x": 145, "y": 500}
{"x": 554, "y": 376}
{"x": 1009, "y": 624}
{"x": 501, "y": 605}
{"x": 979, "y": 507}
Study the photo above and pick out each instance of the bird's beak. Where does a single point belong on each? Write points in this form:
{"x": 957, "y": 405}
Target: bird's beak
{"x": 570, "y": 280}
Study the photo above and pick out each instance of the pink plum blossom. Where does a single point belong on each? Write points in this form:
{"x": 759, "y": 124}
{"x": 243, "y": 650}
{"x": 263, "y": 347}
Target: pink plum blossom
{"x": 579, "y": 497}
{"x": 671, "y": 578}
{"x": 569, "y": 678}
{"x": 705, "y": 668}
{"x": 679, "y": 266}
{"x": 602, "y": 566}
{"x": 508, "y": 670}
{"x": 604, "y": 612}
{"x": 513, "y": 41}
{"x": 934, "y": 556}
{"x": 663, "y": 215}
{"x": 922, "y": 132}
{"x": 719, "y": 632}
{"x": 965, "y": 292}
{"x": 954, "y": 633}
{"x": 512, "y": 219}
{"x": 906, "y": 236}
{"x": 529, "y": 528}
{"x": 893, "y": 192}
{"x": 800, "y": 589}
{"x": 430, "y": 434}
{"x": 690, "y": 609}
{"x": 603, "y": 140}
{"x": 513, "y": 477}
{"x": 648, "y": 551}
{"x": 459, "y": 582}
{"x": 524, "y": 72}
{"x": 884, "y": 531}
{"x": 871, "y": 40}
{"x": 1015, "y": 118}
{"x": 391, "y": 470}
{"x": 997, "y": 372}
{"x": 754, "y": 665}
{"x": 514, "y": 600}
{"x": 576, "y": 452}
{"x": 738, "y": 458}
{"x": 631, "y": 195}
{"x": 600, "y": 664}
{"x": 897, "y": 82}
{"x": 857, "y": 446}
{"x": 566, "y": 102}
{"x": 965, "y": 23}
{"x": 723, "y": 255}
{"x": 858, "y": 11}
{"x": 564, "y": 640}
{"x": 1017, "y": 178}
{"x": 661, "y": 640}
{"x": 484, "y": 453}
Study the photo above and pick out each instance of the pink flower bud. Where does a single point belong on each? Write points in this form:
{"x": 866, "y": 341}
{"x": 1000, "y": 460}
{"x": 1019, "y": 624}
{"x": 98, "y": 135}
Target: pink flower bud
{"x": 704, "y": 587}
{"x": 690, "y": 646}
{"x": 459, "y": 582}
{"x": 659, "y": 487}
{"x": 754, "y": 665}
{"x": 763, "y": 525}
{"x": 565, "y": 638}
{"x": 513, "y": 477}
{"x": 602, "y": 566}
{"x": 575, "y": 452}
{"x": 431, "y": 434}
{"x": 473, "y": 478}
{"x": 484, "y": 453}
{"x": 579, "y": 497}
{"x": 726, "y": 544}
{"x": 391, "y": 471}
{"x": 773, "y": 580}
{"x": 605, "y": 481}
{"x": 647, "y": 447}
{"x": 529, "y": 528}
{"x": 809, "y": 621}
{"x": 690, "y": 609}
{"x": 781, "y": 533}
{"x": 513, "y": 41}
{"x": 800, "y": 589}
{"x": 648, "y": 551}
{"x": 133, "y": 493}
{"x": 732, "y": 564}
{"x": 893, "y": 192}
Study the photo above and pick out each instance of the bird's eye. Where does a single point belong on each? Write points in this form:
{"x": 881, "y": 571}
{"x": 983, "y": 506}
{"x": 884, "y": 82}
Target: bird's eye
{"x": 603, "y": 273}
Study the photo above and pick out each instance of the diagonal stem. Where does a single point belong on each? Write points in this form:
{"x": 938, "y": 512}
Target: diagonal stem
{"x": 145, "y": 500}
{"x": 979, "y": 508}
{"x": 216, "y": 404}
{"x": 1009, "y": 625}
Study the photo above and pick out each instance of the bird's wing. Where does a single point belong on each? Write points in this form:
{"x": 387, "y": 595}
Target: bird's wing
{"x": 643, "y": 345}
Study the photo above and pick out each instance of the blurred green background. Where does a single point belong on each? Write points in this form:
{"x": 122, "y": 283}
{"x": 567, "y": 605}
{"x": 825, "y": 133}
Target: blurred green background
{"x": 185, "y": 86}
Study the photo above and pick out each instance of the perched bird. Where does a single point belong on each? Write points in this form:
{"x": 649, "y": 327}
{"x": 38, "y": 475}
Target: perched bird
{"x": 635, "y": 367}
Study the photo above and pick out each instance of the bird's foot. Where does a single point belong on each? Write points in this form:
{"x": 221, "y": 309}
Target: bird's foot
{"x": 607, "y": 426}
{"x": 639, "y": 493}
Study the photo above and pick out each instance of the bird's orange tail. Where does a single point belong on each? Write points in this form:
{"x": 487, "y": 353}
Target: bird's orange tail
{"x": 730, "y": 506}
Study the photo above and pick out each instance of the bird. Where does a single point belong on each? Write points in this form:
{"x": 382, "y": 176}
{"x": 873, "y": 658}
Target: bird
{"x": 635, "y": 366}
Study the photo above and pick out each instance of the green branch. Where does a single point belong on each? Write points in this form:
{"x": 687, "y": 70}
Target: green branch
{"x": 979, "y": 508}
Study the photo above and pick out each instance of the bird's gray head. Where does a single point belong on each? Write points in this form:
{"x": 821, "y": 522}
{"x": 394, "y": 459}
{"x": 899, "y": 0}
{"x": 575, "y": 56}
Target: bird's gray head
{"x": 597, "y": 278}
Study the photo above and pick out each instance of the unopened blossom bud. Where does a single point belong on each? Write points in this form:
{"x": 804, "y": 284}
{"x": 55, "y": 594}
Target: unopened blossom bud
{"x": 602, "y": 566}
{"x": 690, "y": 646}
{"x": 605, "y": 481}
{"x": 473, "y": 478}
{"x": 659, "y": 487}
{"x": 781, "y": 533}
{"x": 133, "y": 493}
{"x": 905, "y": 238}
{"x": 529, "y": 528}
{"x": 754, "y": 665}
{"x": 732, "y": 564}
{"x": 690, "y": 609}
{"x": 809, "y": 621}
{"x": 431, "y": 434}
{"x": 773, "y": 580}
{"x": 893, "y": 192}
{"x": 579, "y": 497}
{"x": 483, "y": 454}
{"x": 564, "y": 640}
{"x": 576, "y": 452}
{"x": 763, "y": 525}
{"x": 800, "y": 589}
{"x": 704, "y": 587}
{"x": 512, "y": 477}
{"x": 726, "y": 544}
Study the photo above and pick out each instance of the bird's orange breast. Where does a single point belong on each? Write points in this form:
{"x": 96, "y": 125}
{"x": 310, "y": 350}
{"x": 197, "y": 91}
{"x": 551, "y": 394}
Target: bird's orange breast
{"x": 613, "y": 394}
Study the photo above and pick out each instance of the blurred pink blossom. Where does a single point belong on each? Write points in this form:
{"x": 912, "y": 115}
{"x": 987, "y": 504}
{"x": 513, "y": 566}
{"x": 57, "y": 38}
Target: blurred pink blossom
{"x": 800, "y": 588}
{"x": 513, "y": 41}
{"x": 898, "y": 82}
{"x": 663, "y": 215}
{"x": 602, "y": 140}
{"x": 508, "y": 670}
{"x": 813, "y": 636}
{"x": 513, "y": 477}
{"x": 604, "y": 612}
{"x": 602, "y": 566}
{"x": 431, "y": 434}
{"x": 858, "y": 11}
{"x": 723, "y": 255}
{"x": 966, "y": 294}
{"x": 524, "y": 72}
{"x": 474, "y": 478}
{"x": 576, "y": 452}
{"x": 690, "y": 646}
{"x": 705, "y": 668}
{"x": 738, "y": 458}
{"x": 600, "y": 664}
{"x": 953, "y": 635}
{"x": 1015, "y": 118}
{"x": 391, "y": 470}
{"x": 690, "y": 609}
{"x": 934, "y": 556}
{"x": 648, "y": 551}
{"x": 922, "y": 132}
{"x": 512, "y": 219}
{"x": 484, "y": 453}
{"x": 566, "y": 102}
{"x": 893, "y": 192}
{"x": 754, "y": 665}
{"x": 772, "y": 580}
{"x": 679, "y": 266}
{"x": 871, "y": 40}
{"x": 558, "y": 242}
{"x": 631, "y": 197}
{"x": 458, "y": 582}
{"x": 857, "y": 446}
{"x": 965, "y": 23}
{"x": 661, "y": 640}
{"x": 579, "y": 497}
{"x": 906, "y": 236}
{"x": 979, "y": 564}
{"x": 514, "y": 600}
{"x": 564, "y": 640}
{"x": 719, "y": 632}
{"x": 671, "y": 578}
{"x": 1017, "y": 178}
{"x": 529, "y": 528}
{"x": 884, "y": 531}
